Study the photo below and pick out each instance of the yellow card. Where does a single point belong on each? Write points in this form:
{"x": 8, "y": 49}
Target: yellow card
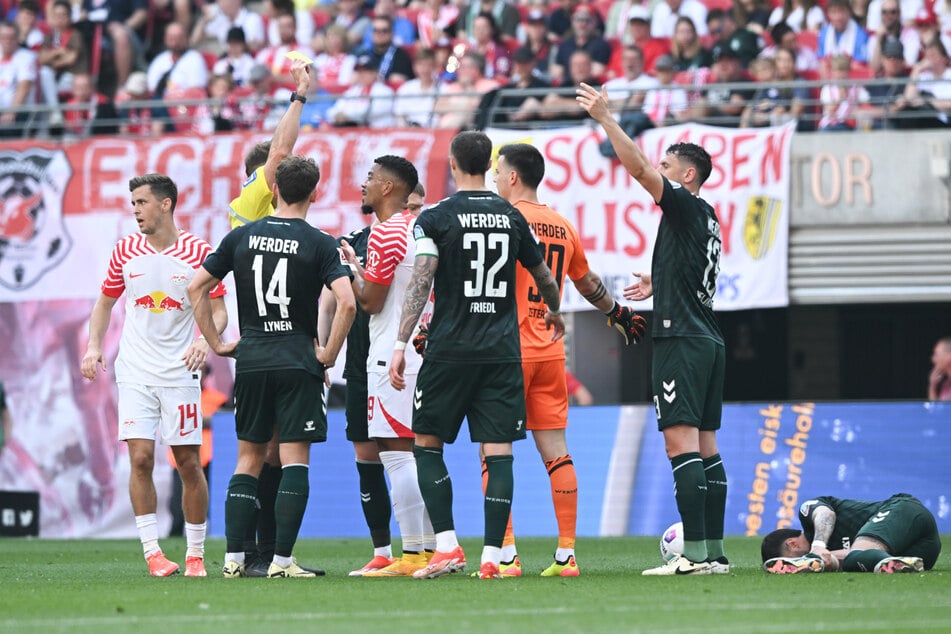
{"x": 298, "y": 55}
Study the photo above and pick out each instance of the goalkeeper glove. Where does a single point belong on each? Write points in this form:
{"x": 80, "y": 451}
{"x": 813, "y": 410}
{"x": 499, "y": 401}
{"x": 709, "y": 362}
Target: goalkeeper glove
{"x": 419, "y": 341}
{"x": 631, "y": 325}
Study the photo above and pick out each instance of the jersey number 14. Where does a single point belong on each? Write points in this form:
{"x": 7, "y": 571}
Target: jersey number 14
{"x": 276, "y": 292}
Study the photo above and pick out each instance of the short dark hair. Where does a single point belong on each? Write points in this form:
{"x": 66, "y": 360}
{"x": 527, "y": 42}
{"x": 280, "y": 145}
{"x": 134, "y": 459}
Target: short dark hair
{"x": 30, "y": 5}
{"x": 256, "y": 157}
{"x": 65, "y": 5}
{"x": 296, "y": 178}
{"x": 419, "y": 190}
{"x": 403, "y": 170}
{"x": 527, "y": 161}
{"x": 160, "y": 185}
{"x": 694, "y": 155}
{"x": 773, "y": 543}
{"x": 472, "y": 150}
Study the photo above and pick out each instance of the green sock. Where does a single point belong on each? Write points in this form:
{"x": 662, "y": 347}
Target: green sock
{"x": 375, "y": 500}
{"x": 715, "y": 505}
{"x": 289, "y": 507}
{"x": 268, "y": 483}
{"x": 863, "y": 560}
{"x": 690, "y": 489}
{"x": 436, "y": 486}
{"x": 240, "y": 507}
{"x": 498, "y": 498}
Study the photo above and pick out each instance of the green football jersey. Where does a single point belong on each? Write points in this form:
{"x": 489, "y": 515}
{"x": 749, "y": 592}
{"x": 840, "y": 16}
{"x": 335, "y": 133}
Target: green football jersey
{"x": 280, "y": 266}
{"x": 480, "y": 237}
{"x": 358, "y": 339}
{"x": 850, "y": 516}
{"x": 685, "y": 266}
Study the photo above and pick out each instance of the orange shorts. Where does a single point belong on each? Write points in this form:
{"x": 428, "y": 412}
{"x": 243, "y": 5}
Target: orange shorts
{"x": 546, "y": 394}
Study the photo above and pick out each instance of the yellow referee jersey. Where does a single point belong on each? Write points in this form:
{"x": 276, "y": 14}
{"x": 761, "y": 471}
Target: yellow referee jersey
{"x": 254, "y": 202}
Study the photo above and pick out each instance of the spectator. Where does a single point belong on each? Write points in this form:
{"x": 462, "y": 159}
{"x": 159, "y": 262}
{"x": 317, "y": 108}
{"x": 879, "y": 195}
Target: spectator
{"x": 627, "y": 92}
{"x": 840, "y": 103}
{"x": 666, "y": 104}
{"x": 784, "y": 37}
{"x": 122, "y": 21}
{"x": 909, "y": 9}
{"x": 220, "y": 113}
{"x": 18, "y": 78}
{"x": 236, "y": 60}
{"x": 562, "y": 108}
{"x": 368, "y": 102}
{"x": 256, "y": 111}
{"x": 61, "y": 57}
{"x": 487, "y": 41}
{"x": 800, "y": 15}
{"x": 742, "y": 41}
{"x": 800, "y": 98}
{"x": 404, "y": 31}
{"x": 138, "y": 120}
{"x": 303, "y": 22}
{"x": 928, "y": 97}
{"x": 926, "y": 22}
{"x": 638, "y": 33}
{"x": 275, "y": 57}
{"x": 886, "y": 97}
{"x": 525, "y": 76}
{"x": 939, "y": 381}
{"x": 577, "y": 392}
{"x": 668, "y": 13}
{"x": 536, "y": 42}
{"x": 752, "y": 15}
{"x": 891, "y": 29}
{"x": 394, "y": 63}
{"x": 584, "y": 36}
{"x": 506, "y": 17}
{"x": 457, "y": 104}
{"x": 30, "y": 36}
{"x": 217, "y": 18}
{"x": 416, "y": 99}
{"x": 161, "y": 14}
{"x": 723, "y": 105}
{"x": 842, "y": 35}
{"x": 770, "y": 104}
{"x": 436, "y": 22}
{"x": 88, "y": 111}
{"x": 687, "y": 49}
{"x": 561, "y": 24}
{"x": 179, "y": 67}
{"x": 333, "y": 69}
{"x": 351, "y": 16}
{"x": 616, "y": 21}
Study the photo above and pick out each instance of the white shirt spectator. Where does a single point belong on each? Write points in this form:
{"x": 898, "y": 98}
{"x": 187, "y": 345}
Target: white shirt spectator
{"x": 305, "y": 28}
{"x": 814, "y": 19}
{"x": 414, "y": 104}
{"x": 620, "y": 88}
{"x": 239, "y": 68}
{"x": 19, "y": 67}
{"x": 250, "y": 23}
{"x": 909, "y": 9}
{"x": 663, "y": 102}
{"x": 664, "y": 20}
{"x": 190, "y": 71}
{"x": 372, "y": 109}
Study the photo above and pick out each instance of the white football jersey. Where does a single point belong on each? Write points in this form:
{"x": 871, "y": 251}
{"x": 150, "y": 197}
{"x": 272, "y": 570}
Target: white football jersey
{"x": 159, "y": 325}
{"x": 390, "y": 256}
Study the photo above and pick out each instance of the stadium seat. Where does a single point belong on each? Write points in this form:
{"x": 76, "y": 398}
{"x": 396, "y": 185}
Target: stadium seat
{"x": 210, "y": 59}
{"x": 183, "y": 116}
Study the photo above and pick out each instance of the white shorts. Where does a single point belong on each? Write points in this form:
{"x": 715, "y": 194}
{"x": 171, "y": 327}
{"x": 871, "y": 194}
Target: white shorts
{"x": 389, "y": 412}
{"x": 172, "y": 412}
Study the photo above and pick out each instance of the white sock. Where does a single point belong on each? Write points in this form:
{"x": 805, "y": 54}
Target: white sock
{"x": 491, "y": 553}
{"x": 195, "y": 539}
{"x": 235, "y": 557}
{"x": 283, "y": 562}
{"x": 446, "y": 541}
{"x": 148, "y": 533}
{"x": 384, "y": 551}
{"x": 509, "y": 553}
{"x": 408, "y": 505}
{"x": 429, "y": 537}
{"x": 562, "y": 554}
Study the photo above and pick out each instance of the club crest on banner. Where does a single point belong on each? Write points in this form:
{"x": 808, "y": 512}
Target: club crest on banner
{"x": 33, "y": 236}
{"x": 759, "y": 230}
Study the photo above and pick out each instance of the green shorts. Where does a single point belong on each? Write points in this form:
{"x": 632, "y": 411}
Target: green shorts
{"x": 293, "y": 400}
{"x": 687, "y": 381}
{"x": 906, "y": 527}
{"x": 490, "y": 395}
{"x": 356, "y": 408}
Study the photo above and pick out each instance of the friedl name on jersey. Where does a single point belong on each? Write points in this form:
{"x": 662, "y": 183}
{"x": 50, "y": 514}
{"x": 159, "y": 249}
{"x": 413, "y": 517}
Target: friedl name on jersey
{"x": 482, "y": 307}
{"x": 274, "y": 245}
{"x": 484, "y": 221}
{"x": 278, "y": 326}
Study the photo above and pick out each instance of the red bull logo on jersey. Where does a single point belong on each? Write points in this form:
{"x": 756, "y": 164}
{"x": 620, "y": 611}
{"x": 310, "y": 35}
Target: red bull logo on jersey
{"x": 33, "y": 237}
{"x": 159, "y": 302}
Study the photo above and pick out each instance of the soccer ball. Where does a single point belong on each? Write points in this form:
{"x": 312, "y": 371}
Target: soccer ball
{"x": 672, "y": 541}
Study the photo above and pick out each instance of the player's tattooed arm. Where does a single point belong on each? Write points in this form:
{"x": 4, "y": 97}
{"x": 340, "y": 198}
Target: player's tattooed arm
{"x": 823, "y": 521}
{"x": 417, "y": 294}
{"x": 592, "y": 289}
{"x": 548, "y": 288}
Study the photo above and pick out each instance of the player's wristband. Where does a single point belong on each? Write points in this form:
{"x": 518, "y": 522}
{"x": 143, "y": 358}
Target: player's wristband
{"x": 818, "y": 543}
{"x": 613, "y": 308}
{"x": 399, "y": 345}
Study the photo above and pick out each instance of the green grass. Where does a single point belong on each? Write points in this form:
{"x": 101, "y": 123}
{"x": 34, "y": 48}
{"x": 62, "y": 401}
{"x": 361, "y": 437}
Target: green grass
{"x": 103, "y": 586}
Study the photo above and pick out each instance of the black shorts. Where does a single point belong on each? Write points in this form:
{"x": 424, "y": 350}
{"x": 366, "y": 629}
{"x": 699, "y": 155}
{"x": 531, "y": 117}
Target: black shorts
{"x": 687, "y": 381}
{"x": 356, "y": 408}
{"x": 293, "y": 400}
{"x": 490, "y": 395}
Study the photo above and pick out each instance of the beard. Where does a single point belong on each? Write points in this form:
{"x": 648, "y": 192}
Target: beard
{"x": 366, "y": 209}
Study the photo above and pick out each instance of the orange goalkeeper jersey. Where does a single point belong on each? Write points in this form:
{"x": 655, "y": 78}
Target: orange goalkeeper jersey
{"x": 564, "y": 256}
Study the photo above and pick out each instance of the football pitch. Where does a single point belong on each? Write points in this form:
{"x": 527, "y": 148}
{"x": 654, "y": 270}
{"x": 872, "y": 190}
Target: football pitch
{"x": 103, "y": 586}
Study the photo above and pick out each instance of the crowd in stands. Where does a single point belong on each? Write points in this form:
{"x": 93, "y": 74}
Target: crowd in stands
{"x": 144, "y": 67}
